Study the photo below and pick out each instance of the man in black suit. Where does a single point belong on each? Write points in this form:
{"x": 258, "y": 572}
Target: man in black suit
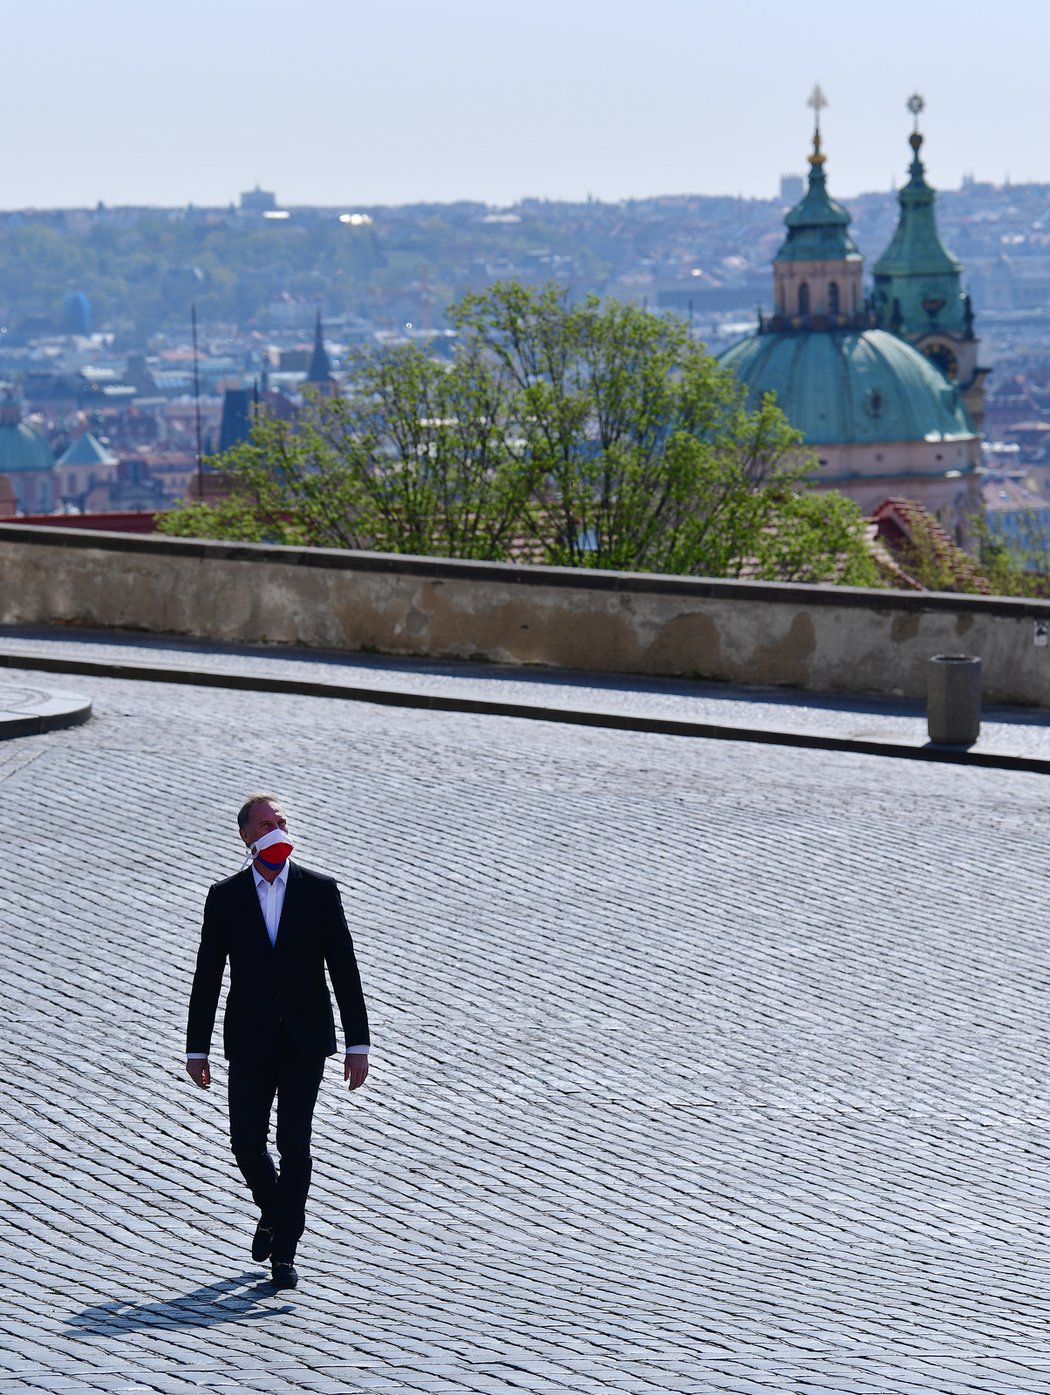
{"x": 279, "y": 926}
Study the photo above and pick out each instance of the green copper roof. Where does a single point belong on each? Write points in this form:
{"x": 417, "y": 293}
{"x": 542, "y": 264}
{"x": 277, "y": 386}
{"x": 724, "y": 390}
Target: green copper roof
{"x": 840, "y": 387}
{"x": 86, "y": 449}
{"x": 817, "y": 225}
{"x": 917, "y": 285}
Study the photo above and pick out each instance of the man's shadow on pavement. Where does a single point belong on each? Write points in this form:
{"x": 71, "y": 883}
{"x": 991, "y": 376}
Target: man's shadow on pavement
{"x": 202, "y": 1307}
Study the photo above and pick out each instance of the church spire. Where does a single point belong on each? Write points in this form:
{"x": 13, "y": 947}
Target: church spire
{"x": 916, "y": 270}
{"x": 817, "y": 225}
{"x": 818, "y": 102}
{"x": 817, "y": 271}
{"x": 918, "y": 292}
{"x": 319, "y": 376}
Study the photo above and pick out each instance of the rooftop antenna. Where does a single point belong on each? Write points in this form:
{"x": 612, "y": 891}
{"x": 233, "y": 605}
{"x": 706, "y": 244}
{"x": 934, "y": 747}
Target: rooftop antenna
{"x": 197, "y": 403}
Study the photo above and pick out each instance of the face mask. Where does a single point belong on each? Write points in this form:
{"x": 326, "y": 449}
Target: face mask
{"x": 272, "y": 850}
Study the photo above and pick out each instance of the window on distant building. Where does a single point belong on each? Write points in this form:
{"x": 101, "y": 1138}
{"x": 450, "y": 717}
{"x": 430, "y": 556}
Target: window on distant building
{"x": 833, "y": 297}
{"x": 803, "y": 298}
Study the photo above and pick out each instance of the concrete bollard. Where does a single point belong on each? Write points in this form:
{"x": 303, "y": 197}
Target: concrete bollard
{"x": 953, "y": 699}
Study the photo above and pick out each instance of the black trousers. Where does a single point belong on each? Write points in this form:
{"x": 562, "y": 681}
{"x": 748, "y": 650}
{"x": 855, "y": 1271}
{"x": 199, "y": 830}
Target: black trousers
{"x": 254, "y": 1084}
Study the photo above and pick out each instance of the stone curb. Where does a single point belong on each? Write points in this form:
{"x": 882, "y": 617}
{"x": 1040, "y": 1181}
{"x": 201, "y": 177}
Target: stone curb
{"x": 569, "y": 716}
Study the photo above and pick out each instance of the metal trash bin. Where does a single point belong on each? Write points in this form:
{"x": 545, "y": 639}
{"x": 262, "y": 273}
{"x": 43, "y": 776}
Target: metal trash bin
{"x": 953, "y": 699}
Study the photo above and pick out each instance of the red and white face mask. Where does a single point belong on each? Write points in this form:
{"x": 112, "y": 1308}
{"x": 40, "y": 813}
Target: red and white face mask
{"x": 273, "y": 850}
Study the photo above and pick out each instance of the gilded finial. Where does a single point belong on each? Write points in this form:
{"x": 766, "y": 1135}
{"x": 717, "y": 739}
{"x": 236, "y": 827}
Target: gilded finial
{"x": 818, "y": 102}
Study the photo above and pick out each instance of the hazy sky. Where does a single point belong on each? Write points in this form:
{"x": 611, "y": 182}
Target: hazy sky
{"x": 396, "y": 101}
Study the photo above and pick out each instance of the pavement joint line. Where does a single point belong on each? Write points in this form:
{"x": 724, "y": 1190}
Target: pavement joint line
{"x": 670, "y": 1357}
{"x": 568, "y": 716}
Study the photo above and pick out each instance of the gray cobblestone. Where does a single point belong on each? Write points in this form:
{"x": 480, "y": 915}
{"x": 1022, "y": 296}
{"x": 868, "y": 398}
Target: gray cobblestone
{"x": 699, "y": 1067}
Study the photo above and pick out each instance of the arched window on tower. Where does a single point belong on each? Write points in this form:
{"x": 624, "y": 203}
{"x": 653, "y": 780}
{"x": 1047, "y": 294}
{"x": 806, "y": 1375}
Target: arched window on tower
{"x": 803, "y": 298}
{"x": 833, "y": 297}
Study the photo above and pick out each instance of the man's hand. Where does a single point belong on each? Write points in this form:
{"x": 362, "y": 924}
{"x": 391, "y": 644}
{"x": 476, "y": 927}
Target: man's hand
{"x": 199, "y": 1073}
{"x": 355, "y": 1068}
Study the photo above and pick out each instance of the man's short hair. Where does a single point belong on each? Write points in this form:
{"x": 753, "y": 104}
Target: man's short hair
{"x": 245, "y": 810}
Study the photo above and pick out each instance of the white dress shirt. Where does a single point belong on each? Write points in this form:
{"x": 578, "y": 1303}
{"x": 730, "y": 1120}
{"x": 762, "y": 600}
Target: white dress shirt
{"x": 271, "y": 898}
{"x": 271, "y": 903}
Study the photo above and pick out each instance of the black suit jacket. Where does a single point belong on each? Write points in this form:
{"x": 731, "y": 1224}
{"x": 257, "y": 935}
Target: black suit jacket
{"x": 271, "y": 985}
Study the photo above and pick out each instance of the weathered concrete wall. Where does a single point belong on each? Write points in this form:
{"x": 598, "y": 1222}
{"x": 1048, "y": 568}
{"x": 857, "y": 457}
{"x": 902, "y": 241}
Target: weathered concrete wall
{"x": 811, "y": 637}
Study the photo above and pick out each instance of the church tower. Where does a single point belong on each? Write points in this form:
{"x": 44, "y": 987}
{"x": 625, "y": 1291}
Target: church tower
{"x": 319, "y": 379}
{"x": 877, "y": 413}
{"x": 818, "y": 271}
{"x": 918, "y": 293}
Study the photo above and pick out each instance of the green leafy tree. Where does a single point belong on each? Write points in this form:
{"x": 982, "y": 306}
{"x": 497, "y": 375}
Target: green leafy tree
{"x": 1016, "y": 562}
{"x": 651, "y": 458}
{"x": 815, "y": 536}
{"x": 421, "y": 457}
{"x": 589, "y": 435}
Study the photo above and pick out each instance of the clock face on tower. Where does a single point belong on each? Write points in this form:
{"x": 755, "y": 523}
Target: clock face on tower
{"x": 942, "y": 356}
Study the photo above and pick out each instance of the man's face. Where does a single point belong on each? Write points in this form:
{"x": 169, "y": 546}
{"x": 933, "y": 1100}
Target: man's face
{"x": 263, "y": 818}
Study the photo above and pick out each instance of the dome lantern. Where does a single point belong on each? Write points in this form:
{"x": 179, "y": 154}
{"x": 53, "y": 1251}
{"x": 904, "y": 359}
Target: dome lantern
{"x": 818, "y": 270}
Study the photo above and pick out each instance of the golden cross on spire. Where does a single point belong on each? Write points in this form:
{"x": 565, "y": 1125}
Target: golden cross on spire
{"x": 818, "y": 102}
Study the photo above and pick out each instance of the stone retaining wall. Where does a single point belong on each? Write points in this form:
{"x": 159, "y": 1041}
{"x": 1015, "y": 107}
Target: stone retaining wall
{"x": 825, "y": 639}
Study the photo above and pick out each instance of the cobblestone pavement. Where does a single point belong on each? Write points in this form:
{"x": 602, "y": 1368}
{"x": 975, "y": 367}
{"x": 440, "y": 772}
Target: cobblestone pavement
{"x": 699, "y": 1066}
{"x": 1004, "y": 730}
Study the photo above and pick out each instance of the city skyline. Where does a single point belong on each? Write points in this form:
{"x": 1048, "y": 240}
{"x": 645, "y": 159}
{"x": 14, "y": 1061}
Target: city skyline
{"x": 341, "y": 103}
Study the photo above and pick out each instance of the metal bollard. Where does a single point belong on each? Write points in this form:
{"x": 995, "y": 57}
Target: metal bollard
{"x": 953, "y": 699}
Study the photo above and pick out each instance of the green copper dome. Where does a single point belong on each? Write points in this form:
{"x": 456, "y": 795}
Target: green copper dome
{"x": 917, "y": 280}
{"x": 849, "y": 386}
{"x": 818, "y": 227}
{"x": 21, "y": 448}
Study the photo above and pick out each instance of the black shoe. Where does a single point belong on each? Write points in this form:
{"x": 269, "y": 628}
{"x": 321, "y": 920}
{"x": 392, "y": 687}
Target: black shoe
{"x": 262, "y": 1241}
{"x": 284, "y": 1276}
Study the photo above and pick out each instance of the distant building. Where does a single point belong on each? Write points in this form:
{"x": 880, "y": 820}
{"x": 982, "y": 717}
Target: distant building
{"x": 130, "y": 493}
{"x": 881, "y": 416}
{"x": 236, "y": 423}
{"x": 138, "y": 376}
{"x": 792, "y": 187}
{"x": 258, "y": 201}
{"x": 319, "y": 379}
{"x": 174, "y": 471}
{"x": 25, "y": 458}
{"x": 86, "y": 464}
{"x": 76, "y": 314}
